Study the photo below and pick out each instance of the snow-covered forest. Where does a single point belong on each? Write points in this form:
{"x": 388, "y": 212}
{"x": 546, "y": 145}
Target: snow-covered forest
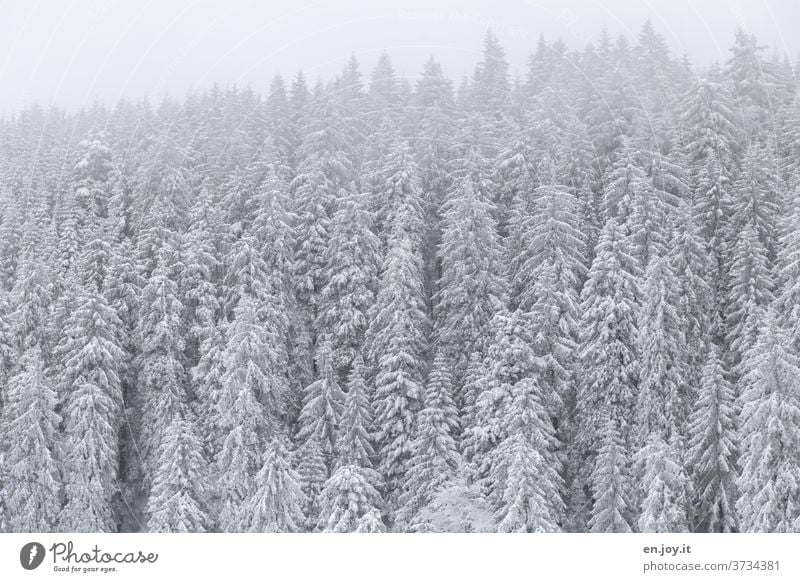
{"x": 561, "y": 300}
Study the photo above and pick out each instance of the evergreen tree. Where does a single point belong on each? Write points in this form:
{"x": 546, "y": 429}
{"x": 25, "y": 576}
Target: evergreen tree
{"x": 750, "y": 288}
{"x": 347, "y": 498}
{"x": 609, "y": 340}
{"x": 277, "y": 500}
{"x": 769, "y": 433}
{"x": 611, "y": 511}
{"x": 90, "y": 382}
{"x": 663, "y": 487}
{"x": 323, "y": 404}
{"x": 397, "y": 342}
{"x": 178, "y": 497}
{"x": 713, "y": 449}
{"x": 662, "y": 402}
{"x": 435, "y": 459}
{"x": 351, "y": 279}
{"x": 31, "y": 481}
{"x": 162, "y": 382}
{"x": 525, "y": 473}
{"x": 471, "y": 287}
{"x": 354, "y": 439}
{"x": 242, "y": 417}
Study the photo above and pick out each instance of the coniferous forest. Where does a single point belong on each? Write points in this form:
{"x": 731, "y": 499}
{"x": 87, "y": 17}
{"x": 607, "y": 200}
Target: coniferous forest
{"x": 564, "y": 300}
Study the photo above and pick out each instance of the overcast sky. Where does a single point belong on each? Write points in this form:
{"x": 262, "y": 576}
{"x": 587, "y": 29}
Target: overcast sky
{"x": 70, "y": 53}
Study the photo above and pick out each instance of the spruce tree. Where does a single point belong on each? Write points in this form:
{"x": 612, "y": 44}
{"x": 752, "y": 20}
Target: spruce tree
{"x": 277, "y": 499}
{"x": 351, "y": 264}
{"x": 663, "y": 487}
{"x": 610, "y": 485}
{"x": 398, "y": 326}
{"x": 713, "y": 449}
{"x": 354, "y": 439}
{"x": 609, "y": 340}
{"x": 525, "y": 478}
{"x": 769, "y": 433}
{"x": 348, "y": 496}
{"x": 178, "y": 500}
{"x": 31, "y": 480}
{"x": 435, "y": 459}
{"x": 662, "y": 401}
{"x": 471, "y": 287}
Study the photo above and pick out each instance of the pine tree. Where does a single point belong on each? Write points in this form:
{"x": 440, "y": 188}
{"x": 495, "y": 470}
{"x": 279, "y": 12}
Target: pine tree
{"x": 712, "y": 453}
{"x": 207, "y": 384}
{"x": 435, "y": 459}
{"x": 32, "y": 301}
{"x": 509, "y": 361}
{"x": 769, "y": 433}
{"x": 690, "y": 262}
{"x": 178, "y": 497}
{"x": 710, "y": 124}
{"x": 397, "y": 341}
{"x": 525, "y": 475}
{"x": 93, "y": 400}
{"x": 630, "y": 197}
{"x": 750, "y": 293}
{"x": 609, "y": 340}
{"x": 611, "y": 511}
{"x": 242, "y": 416}
{"x": 713, "y": 207}
{"x": 277, "y": 500}
{"x": 458, "y": 507}
{"x": 551, "y": 270}
{"x": 31, "y": 481}
{"x": 354, "y": 439}
{"x": 162, "y": 382}
{"x": 371, "y": 523}
{"x": 662, "y": 400}
{"x": 788, "y": 273}
{"x": 198, "y": 279}
{"x": 663, "y": 487}
{"x": 313, "y": 470}
{"x": 313, "y": 198}
{"x": 351, "y": 279}
{"x": 348, "y": 496}
{"x": 754, "y": 85}
{"x": 323, "y": 404}
{"x": 471, "y": 287}
{"x": 491, "y": 80}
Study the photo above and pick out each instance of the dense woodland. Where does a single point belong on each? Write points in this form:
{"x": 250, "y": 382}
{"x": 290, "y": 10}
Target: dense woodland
{"x": 567, "y": 300}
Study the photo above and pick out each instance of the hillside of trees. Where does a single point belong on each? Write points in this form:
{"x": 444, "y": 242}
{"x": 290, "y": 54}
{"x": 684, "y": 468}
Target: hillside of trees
{"x": 564, "y": 301}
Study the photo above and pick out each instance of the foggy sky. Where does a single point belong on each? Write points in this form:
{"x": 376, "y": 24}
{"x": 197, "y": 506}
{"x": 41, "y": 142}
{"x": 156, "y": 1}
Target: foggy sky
{"x": 71, "y": 53}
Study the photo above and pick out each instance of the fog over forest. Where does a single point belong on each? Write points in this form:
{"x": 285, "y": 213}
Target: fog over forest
{"x": 558, "y": 297}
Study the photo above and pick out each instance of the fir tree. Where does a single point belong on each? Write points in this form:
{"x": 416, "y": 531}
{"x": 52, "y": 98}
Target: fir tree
{"x": 435, "y": 459}
{"x": 322, "y": 409}
{"x": 663, "y": 487}
{"x": 348, "y": 496}
{"x": 31, "y": 481}
{"x": 525, "y": 475}
{"x": 354, "y": 439}
{"x": 277, "y": 500}
{"x": 713, "y": 450}
{"x": 769, "y": 433}
{"x": 397, "y": 332}
{"x": 611, "y": 511}
{"x": 662, "y": 402}
{"x": 609, "y": 339}
{"x": 178, "y": 497}
{"x": 351, "y": 279}
{"x": 471, "y": 287}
